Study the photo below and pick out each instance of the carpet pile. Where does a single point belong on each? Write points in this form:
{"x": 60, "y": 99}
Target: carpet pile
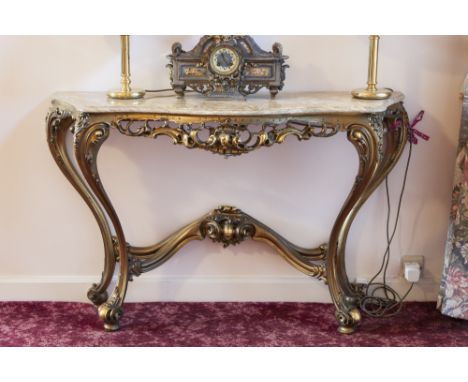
{"x": 222, "y": 324}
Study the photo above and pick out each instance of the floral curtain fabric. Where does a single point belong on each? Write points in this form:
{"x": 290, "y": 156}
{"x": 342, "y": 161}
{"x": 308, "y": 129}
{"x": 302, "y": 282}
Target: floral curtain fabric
{"x": 453, "y": 295}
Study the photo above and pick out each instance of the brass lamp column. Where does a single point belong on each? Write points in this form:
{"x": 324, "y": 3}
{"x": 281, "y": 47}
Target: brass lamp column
{"x": 126, "y": 92}
{"x": 371, "y": 92}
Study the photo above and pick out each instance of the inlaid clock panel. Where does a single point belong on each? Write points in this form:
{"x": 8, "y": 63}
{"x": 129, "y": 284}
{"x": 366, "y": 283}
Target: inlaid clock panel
{"x": 227, "y": 66}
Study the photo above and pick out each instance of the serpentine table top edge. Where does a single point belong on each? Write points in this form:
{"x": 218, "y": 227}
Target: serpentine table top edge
{"x": 260, "y": 105}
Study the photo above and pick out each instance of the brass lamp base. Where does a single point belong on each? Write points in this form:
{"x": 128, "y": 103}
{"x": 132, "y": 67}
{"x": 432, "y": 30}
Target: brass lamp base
{"x": 376, "y": 94}
{"x": 121, "y": 94}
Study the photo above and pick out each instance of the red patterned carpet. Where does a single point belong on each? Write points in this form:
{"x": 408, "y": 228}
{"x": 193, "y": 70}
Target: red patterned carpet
{"x": 222, "y": 324}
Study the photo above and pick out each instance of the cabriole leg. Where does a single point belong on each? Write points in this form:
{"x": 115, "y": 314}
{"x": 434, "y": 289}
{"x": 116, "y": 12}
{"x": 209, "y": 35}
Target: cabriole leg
{"x": 59, "y": 124}
{"x": 88, "y": 141}
{"x": 347, "y": 314}
{"x": 378, "y": 153}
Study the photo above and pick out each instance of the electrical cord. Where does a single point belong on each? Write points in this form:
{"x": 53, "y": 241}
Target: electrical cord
{"x": 158, "y": 90}
{"x": 165, "y": 90}
{"x": 391, "y": 303}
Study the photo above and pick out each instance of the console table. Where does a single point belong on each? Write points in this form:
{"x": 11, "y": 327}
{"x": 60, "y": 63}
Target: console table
{"x": 226, "y": 127}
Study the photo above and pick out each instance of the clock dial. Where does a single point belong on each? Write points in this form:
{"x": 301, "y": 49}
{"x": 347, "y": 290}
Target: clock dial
{"x": 224, "y": 61}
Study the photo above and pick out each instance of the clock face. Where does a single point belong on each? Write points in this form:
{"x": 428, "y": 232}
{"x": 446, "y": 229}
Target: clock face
{"x": 224, "y": 61}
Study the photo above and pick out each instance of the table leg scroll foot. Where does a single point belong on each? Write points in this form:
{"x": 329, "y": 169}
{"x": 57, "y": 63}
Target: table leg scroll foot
{"x": 110, "y": 315}
{"x": 348, "y": 321}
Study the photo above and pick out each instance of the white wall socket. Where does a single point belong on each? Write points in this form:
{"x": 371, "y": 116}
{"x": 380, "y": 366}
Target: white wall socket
{"x": 408, "y": 269}
{"x": 362, "y": 280}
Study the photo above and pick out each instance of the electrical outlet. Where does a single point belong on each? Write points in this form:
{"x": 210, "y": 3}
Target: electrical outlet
{"x": 362, "y": 280}
{"x": 412, "y": 259}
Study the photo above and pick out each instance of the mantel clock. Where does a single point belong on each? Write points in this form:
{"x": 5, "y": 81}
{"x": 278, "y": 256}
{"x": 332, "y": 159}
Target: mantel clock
{"x": 222, "y": 65}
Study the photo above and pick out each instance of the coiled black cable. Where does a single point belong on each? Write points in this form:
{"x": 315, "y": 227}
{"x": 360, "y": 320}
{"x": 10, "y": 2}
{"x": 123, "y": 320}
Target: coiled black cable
{"x": 373, "y": 303}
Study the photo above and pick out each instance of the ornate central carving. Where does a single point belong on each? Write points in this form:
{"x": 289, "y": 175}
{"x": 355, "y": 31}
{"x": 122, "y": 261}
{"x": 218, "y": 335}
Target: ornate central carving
{"x": 227, "y": 225}
{"x": 226, "y": 138}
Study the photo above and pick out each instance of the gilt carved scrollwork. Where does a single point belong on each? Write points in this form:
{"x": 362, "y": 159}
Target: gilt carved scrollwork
{"x": 376, "y": 120}
{"x": 363, "y": 140}
{"x": 227, "y": 137}
{"x": 227, "y": 225}
{"x": 88, "y": 141}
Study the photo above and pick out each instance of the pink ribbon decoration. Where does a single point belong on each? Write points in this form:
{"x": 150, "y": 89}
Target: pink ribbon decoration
{"x": 413, "y": 132}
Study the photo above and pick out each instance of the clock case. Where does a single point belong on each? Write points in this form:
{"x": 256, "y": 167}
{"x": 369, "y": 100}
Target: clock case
{"x": 257, "y": 68}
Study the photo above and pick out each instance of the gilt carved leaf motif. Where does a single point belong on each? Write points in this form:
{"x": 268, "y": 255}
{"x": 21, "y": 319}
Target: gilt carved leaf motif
{"x": 226, "y": 138}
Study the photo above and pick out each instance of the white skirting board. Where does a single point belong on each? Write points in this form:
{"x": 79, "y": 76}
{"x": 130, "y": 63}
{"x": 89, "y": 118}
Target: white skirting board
{"x": 192, "y": 288}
